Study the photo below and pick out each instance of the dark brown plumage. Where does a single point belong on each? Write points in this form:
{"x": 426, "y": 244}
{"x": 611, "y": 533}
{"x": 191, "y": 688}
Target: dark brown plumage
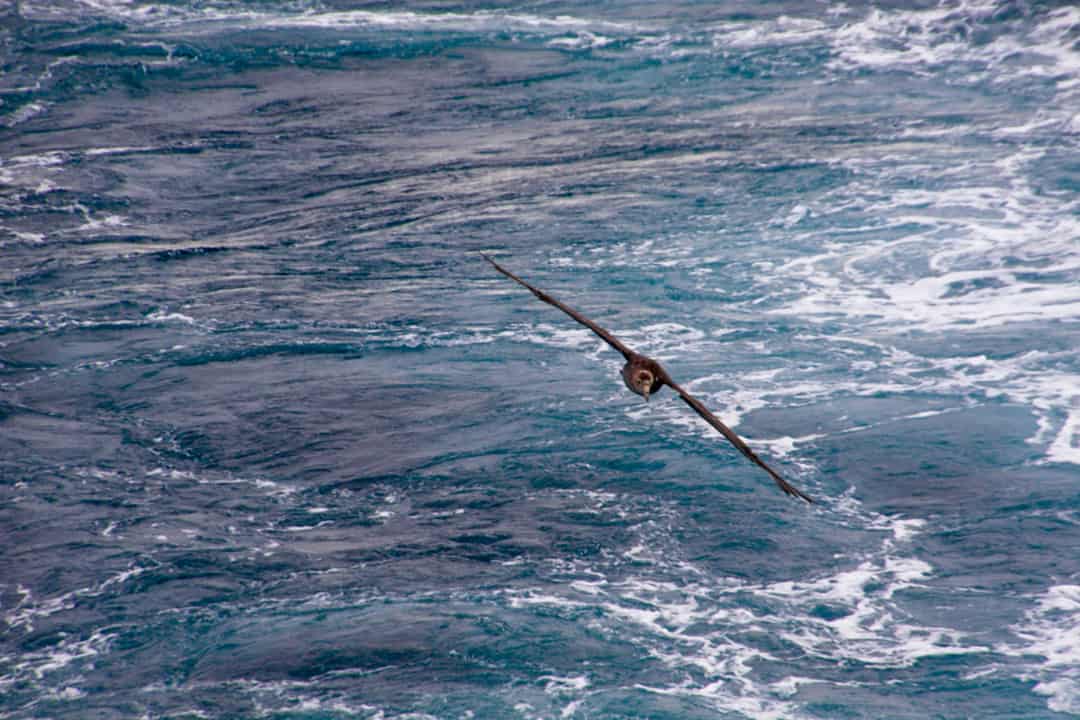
{"x": 645, "y": 376}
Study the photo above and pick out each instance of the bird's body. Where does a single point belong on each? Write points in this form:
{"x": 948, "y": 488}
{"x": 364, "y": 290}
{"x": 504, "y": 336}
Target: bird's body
{"x": 645, "y": 376}
{"x": 642, "y": 375}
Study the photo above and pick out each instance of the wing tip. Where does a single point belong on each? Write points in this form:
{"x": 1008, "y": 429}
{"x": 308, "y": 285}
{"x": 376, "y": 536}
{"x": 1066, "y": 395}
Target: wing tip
{"x": 793, "y": 491}
{"x": 503, "y": 270}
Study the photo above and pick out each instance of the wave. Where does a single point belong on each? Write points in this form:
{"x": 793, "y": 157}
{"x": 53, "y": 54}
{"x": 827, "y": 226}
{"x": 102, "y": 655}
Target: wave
{"x": 1004, "y": 42}
{"x": 1051, "y": 630}
{"x": 706, "y": 630}
{"x": 234, "y": 16}
{"x": 968, "y": 260}
{"x": 1007, "y": 43}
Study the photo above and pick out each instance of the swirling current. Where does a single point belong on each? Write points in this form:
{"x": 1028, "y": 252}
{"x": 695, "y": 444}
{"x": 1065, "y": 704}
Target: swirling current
{"x": 275, "y": 442}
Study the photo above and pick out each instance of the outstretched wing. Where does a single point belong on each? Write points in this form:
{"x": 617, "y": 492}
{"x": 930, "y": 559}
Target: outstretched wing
{"x": 607, "y": 337}
{"x": 733, "y": 438}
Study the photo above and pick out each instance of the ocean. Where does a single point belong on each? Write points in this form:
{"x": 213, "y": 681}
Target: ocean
{"x": 276, "y": 442}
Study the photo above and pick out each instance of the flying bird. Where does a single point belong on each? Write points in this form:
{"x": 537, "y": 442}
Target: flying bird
{"x": 646, "y": 377}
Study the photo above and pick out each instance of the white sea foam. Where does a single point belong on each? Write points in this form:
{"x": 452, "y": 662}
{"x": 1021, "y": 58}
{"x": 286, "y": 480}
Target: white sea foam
{"x": 117, "y": 150}
{"x": 1051, "y": 630}
{"x": 70, "y": 693}
{"x": 30, "y": 237}
{"x": 553, "y": 684}
{"x": 171, "y": 473}
{"x": 406, "y": 20}
{"x": 974, "y": 255}
{"x": 32, "y": 173}
{"x": 581, "y": 40}
{"x": 45, "y": 159}
{"x": 704, "y": 628}
{"x": 68, "y": 650}
{"x": 1065, "y": 447}
{"x": 215, "y": 18}
{"x": 929, "y": 41}
{"x": 92, "y": 223}
{"x": 26, "y": 112}
{"x": 920, "y": 39}
{"x": 783, "y": 30}
{"x": 42, "y": 662}
{"x": 165, "y": 316}
{"x": 978, "y": 244}
{"x": 284, "y": 697}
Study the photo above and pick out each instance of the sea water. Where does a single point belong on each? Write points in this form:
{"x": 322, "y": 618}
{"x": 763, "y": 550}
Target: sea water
{"x": 275, "y": 442}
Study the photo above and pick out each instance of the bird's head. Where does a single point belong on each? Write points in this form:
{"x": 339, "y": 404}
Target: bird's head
{"x": 640, "y": 376}
{"x": 643, "y": 382}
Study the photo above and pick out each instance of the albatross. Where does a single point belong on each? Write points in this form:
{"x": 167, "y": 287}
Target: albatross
{"x": 646, "y": 377}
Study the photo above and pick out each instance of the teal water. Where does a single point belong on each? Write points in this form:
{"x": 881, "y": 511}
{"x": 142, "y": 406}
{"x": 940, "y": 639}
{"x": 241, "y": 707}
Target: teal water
{"x": 276, "y": 442}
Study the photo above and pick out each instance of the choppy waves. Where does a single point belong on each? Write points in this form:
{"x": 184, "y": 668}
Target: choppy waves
{"x": 707, "y": 631}
{"x": 276, "y": 443}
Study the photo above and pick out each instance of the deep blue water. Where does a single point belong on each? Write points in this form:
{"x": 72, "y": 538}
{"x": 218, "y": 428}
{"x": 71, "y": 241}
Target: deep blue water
{"x": 275, "y": 442}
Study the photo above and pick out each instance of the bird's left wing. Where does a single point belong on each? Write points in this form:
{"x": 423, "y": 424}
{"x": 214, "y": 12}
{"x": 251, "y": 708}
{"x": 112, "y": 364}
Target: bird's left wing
{"x": 604, "y": 334}
{"x": 733, "y": 438}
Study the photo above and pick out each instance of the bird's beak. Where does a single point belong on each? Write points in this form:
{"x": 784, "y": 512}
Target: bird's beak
{"x": 646, "y": 394}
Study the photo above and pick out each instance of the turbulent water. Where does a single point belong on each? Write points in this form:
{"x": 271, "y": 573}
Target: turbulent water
{"x": 276, "y": 442}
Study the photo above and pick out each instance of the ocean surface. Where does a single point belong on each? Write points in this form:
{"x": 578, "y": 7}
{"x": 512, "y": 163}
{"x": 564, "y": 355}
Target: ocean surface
{"x": 276, "y": 442}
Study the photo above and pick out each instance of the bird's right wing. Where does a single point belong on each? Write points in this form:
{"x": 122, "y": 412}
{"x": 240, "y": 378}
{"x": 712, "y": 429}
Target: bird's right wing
{"x": 734, "y": 439}
{"x": 604, "y": 334}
